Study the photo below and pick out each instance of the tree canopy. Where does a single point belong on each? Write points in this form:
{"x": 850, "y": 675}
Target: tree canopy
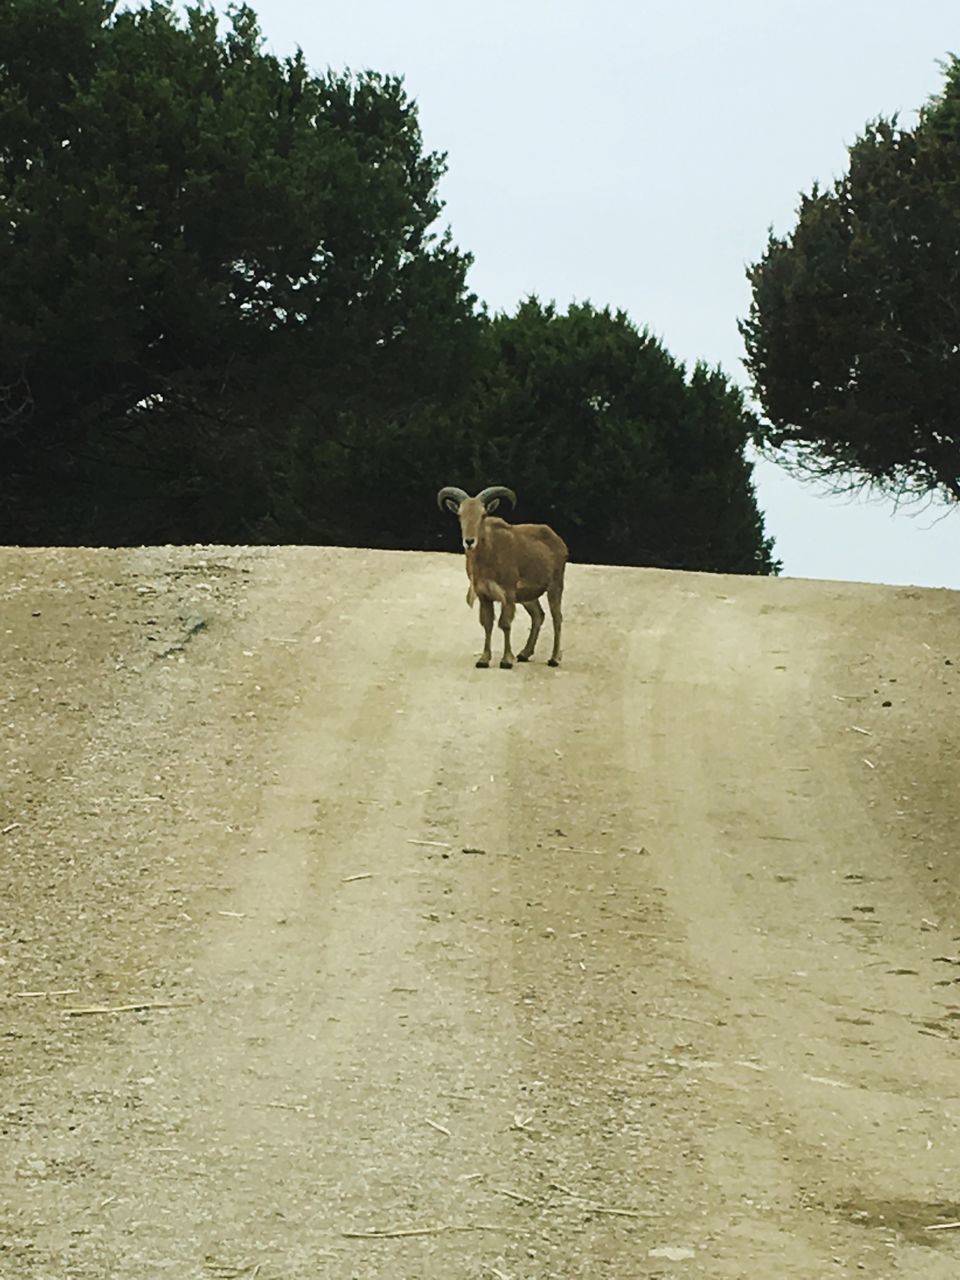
{"x": 605, "y": 436}
{"x": 853, "y": 335}
{"x": 198, "y": 237}
{"x": 227, "y": 314}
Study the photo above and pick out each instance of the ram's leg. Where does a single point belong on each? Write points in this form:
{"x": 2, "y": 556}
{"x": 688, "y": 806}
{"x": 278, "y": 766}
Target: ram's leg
{"x": 486, "y": 621}
{"x": 535, "y": 610}
{"x": 507, "y": 610}
{"x": 554, "y": 596}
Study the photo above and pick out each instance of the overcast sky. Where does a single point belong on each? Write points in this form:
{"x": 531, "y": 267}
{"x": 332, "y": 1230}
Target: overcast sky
{"x": 635, "y": 153}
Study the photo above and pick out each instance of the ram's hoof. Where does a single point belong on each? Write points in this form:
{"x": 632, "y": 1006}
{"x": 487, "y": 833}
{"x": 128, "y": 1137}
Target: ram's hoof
{"x": 482, "y": 662}
{"x": 507, "y": 666}
{"x": 523, "y": 657}
{"x": 554, "y": 662}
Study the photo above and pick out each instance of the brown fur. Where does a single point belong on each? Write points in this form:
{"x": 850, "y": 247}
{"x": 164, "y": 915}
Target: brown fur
{"x": 511, "y": 564}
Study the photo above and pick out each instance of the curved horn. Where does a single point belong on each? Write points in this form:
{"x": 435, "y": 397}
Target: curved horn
{"x": 497, "y": 491}
{"x": 450, "y": 491}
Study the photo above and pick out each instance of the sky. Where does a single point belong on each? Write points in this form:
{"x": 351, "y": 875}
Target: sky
{"x": 634, "y": 153}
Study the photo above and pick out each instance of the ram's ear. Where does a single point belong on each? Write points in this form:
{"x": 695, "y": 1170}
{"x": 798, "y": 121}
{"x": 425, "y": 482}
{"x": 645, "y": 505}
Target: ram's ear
{"x": 451, "y": 497}
{"x": 493, "y": 493}
{"x": 492, "y": 505}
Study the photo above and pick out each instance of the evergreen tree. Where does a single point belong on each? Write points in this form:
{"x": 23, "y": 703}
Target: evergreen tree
{"x": 853, "y": 335}
{"x": 200, "y": 243}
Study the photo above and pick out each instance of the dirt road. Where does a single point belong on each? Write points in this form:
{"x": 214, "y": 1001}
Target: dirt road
{"x": 646, "y": 967}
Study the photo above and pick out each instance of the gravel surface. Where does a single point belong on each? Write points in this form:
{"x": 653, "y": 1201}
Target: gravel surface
{"x": 323, "y": 953}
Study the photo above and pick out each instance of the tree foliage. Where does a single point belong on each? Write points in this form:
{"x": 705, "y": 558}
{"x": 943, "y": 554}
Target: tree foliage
{"x": 853, "y": 335}
{"x": 606, "y": 438}
{"x": 226, "y": 315}
{"x": 199, "y": 239}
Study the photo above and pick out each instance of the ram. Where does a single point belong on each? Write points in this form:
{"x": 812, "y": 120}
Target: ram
{"x": 508, "y": 564}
